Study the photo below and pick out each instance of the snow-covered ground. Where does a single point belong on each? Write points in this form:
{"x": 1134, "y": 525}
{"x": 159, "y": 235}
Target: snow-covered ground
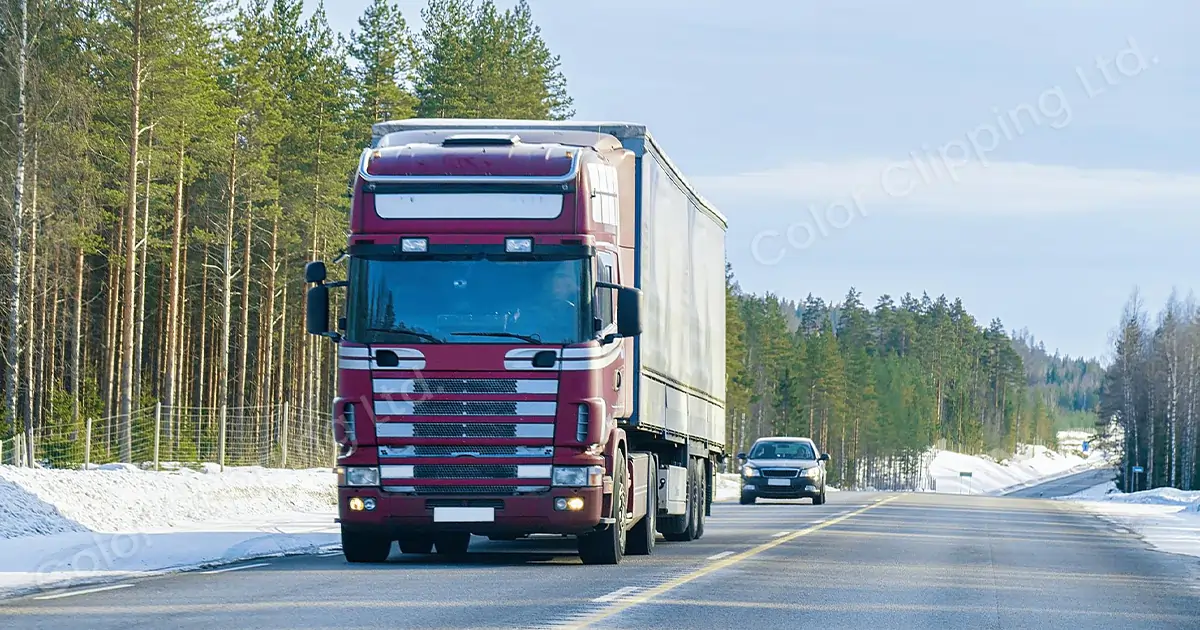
{"x": 1167, "y": 518}
{"x": 64, "y": 527}
{"x": 1031, "y": 465}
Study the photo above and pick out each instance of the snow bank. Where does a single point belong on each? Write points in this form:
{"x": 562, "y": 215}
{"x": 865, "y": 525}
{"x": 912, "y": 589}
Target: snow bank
{"x": 1032, "y": 464}
{"x": 1167, "y": 518}
{"x": 60, "y": 527}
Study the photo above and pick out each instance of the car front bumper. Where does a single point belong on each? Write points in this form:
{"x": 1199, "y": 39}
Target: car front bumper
{"x": 771, "y": 487}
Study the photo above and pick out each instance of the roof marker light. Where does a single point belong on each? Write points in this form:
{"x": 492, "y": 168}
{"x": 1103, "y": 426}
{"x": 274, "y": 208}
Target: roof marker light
{"x": 519, "y": 245}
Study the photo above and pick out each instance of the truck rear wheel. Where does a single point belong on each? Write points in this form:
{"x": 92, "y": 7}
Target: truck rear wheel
{"x": 683, "y": 528}
{"x": 702, "y": 497}
{"x": 607, "y": 546}
{"x": 361, "y": 547}
{"x": 642, "y": 536}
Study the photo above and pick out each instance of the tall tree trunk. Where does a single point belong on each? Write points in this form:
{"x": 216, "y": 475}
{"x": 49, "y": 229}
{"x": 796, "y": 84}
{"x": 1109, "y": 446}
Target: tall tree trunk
{"x": 140, "y": 335}
{"x": 31, "y": 355}
{"x": 12, "y": 350}
{"x": 77, "y": 337}
{"x": 244, "y": 334}
{"x": 127, "y": 321}
{"x": 173, "y": 318}
{"x": 223, "y": 357}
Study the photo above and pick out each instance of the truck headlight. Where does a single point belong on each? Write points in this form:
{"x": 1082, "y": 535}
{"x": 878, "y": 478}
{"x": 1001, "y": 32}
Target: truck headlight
{"x": 361, "y": 476}
{"x": 749, "y": 471}
{"x": 578, "y": 476}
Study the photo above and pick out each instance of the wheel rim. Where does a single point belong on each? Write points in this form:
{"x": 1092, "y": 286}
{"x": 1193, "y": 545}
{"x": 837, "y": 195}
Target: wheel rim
{"x": 619, "y": 512}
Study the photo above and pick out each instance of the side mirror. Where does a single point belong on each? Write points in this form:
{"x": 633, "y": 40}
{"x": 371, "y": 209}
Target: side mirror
{"x": 314, "y": 272}
{"x": 317, "y": 313}
{"x": 824, "y": 457}
{"x": 629, "y": 312}
{"x": 741, "y": 457}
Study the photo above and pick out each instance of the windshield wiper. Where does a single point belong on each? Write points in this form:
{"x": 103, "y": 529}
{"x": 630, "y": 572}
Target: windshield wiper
{"x": 528, "y": 338}
{"x": 408, "y": 331}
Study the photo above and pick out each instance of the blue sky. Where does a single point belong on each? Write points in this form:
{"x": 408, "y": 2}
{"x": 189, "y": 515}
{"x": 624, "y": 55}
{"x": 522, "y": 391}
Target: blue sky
{"x": 966, "y": 148}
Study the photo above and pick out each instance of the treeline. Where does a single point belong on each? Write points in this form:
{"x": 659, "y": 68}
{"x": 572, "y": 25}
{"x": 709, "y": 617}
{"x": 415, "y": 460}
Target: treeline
{"x": 880, "y": 384}
{"x": 1152, "y": 390}
{"x": 1072, "y": 384}
{"x": 168, "y": 167}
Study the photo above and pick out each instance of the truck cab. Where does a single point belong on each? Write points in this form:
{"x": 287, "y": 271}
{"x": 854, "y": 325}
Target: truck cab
{"x": 487, "y": 365}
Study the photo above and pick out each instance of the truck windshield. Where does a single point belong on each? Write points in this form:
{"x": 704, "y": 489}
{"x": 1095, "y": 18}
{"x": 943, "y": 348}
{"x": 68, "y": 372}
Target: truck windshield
{"x": 466, "y": 301}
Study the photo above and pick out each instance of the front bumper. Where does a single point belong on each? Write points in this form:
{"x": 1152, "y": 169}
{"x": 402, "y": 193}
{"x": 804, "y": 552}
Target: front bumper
{"x": 796, "y": 488}
{"x": 397, "y": 514}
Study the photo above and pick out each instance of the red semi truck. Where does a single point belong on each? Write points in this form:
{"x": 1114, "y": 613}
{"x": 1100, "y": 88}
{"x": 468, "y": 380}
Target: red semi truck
{"x": 533, "y": 340}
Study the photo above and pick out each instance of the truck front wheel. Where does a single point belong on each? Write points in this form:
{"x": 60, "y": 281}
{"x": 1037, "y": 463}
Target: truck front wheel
{"x": 607, "y": 546}
{"x": 361, "y": 547}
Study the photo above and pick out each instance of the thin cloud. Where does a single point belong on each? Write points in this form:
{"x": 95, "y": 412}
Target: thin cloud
{"x": 931, "y": 183}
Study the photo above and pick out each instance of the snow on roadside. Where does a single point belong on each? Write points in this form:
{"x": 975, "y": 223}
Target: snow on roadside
{"x": 63, "y": 527}
{"x": 1032, "y": 464}
{"x": 1167, "y": 518}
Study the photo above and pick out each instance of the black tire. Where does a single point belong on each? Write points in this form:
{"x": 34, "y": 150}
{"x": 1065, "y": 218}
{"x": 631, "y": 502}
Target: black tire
{"x": 684, "y": 527}
{"x": 642, "y": 536}
{"x": 416, "y": 545}
{"x": 607, "y": 546}
{"x": 452, "y": 544}
{"x": 701, "y": 497}
{"x": 747, "y": 498}
{"x": 365, "y": 548}
{"x": 820, "y": 499}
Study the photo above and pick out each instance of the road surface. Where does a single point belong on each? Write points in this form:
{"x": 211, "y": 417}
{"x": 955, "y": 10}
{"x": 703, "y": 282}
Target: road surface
{"x": 1065, "y": 486}
{"x": 863, "y": 560}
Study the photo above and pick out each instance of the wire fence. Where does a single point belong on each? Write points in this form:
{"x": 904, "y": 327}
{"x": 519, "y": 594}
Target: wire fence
{"x": 158, "y": 436}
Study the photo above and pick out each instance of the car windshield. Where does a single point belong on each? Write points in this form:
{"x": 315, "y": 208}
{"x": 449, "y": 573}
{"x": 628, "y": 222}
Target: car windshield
{"x": 782, "y": 450}
{"x": 466, "y": 301}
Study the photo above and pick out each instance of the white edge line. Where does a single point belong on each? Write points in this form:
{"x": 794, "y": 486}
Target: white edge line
{"x": 718, "y": 556}
{"x": 624, "y": 590}
{"x": 245, "y": 566}
{"x": 85, "y": 591}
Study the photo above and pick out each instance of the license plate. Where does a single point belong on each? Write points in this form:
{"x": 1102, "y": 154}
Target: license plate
{"x": 779, "y": 482}
{"x": 464, "y": 515}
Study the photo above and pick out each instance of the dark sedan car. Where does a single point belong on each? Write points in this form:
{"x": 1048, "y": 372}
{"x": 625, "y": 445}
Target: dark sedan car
{"x": 783, "y": 468}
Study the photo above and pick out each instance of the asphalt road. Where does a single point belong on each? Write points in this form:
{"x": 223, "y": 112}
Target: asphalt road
{"x": 1066, "y": 486}
{"x": 860, "y": 561}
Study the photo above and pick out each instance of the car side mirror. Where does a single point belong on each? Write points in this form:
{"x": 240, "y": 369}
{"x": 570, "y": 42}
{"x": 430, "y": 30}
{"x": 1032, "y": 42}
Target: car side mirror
{"x": 741, "y": 457}
{"x": 824, "y": 457}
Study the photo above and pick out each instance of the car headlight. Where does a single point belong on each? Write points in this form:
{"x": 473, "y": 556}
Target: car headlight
{"x": 361, "y": 476}
{"x": 578, "y": 476}
{"x": 749, "y": 471}
{"x": 812, "y": 473}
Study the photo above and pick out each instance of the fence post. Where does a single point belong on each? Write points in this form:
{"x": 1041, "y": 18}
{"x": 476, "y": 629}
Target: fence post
{"x": 19, "y": 449}
{"x": 87, "y": 445}
{"x": 283, "y": 435}
{"x": 1, "y": 451}
{"x": 221, "y": 438}
{"x": 157, "y": 431}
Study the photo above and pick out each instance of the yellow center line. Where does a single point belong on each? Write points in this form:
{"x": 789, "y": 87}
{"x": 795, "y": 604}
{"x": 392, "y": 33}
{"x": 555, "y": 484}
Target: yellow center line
{"x": 647, "y": 595}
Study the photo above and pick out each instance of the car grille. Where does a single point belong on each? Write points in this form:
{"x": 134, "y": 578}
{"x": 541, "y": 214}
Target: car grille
{"x": 781, "y": 472}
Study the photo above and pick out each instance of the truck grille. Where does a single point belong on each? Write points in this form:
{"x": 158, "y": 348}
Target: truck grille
{"x": 780, "y": 472}
{"x": 497, "y": 490}
{"x": 464, "y": 471}
{"x": 465, "y": 451}
{"x": 464, "y": 408}
{"x": 465, "y": 386}
{"x": 464, "y": 429}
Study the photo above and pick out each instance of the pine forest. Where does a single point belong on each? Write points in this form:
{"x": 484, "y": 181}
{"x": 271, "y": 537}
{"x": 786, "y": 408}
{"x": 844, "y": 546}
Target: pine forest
{"x": 170, "y": 165}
